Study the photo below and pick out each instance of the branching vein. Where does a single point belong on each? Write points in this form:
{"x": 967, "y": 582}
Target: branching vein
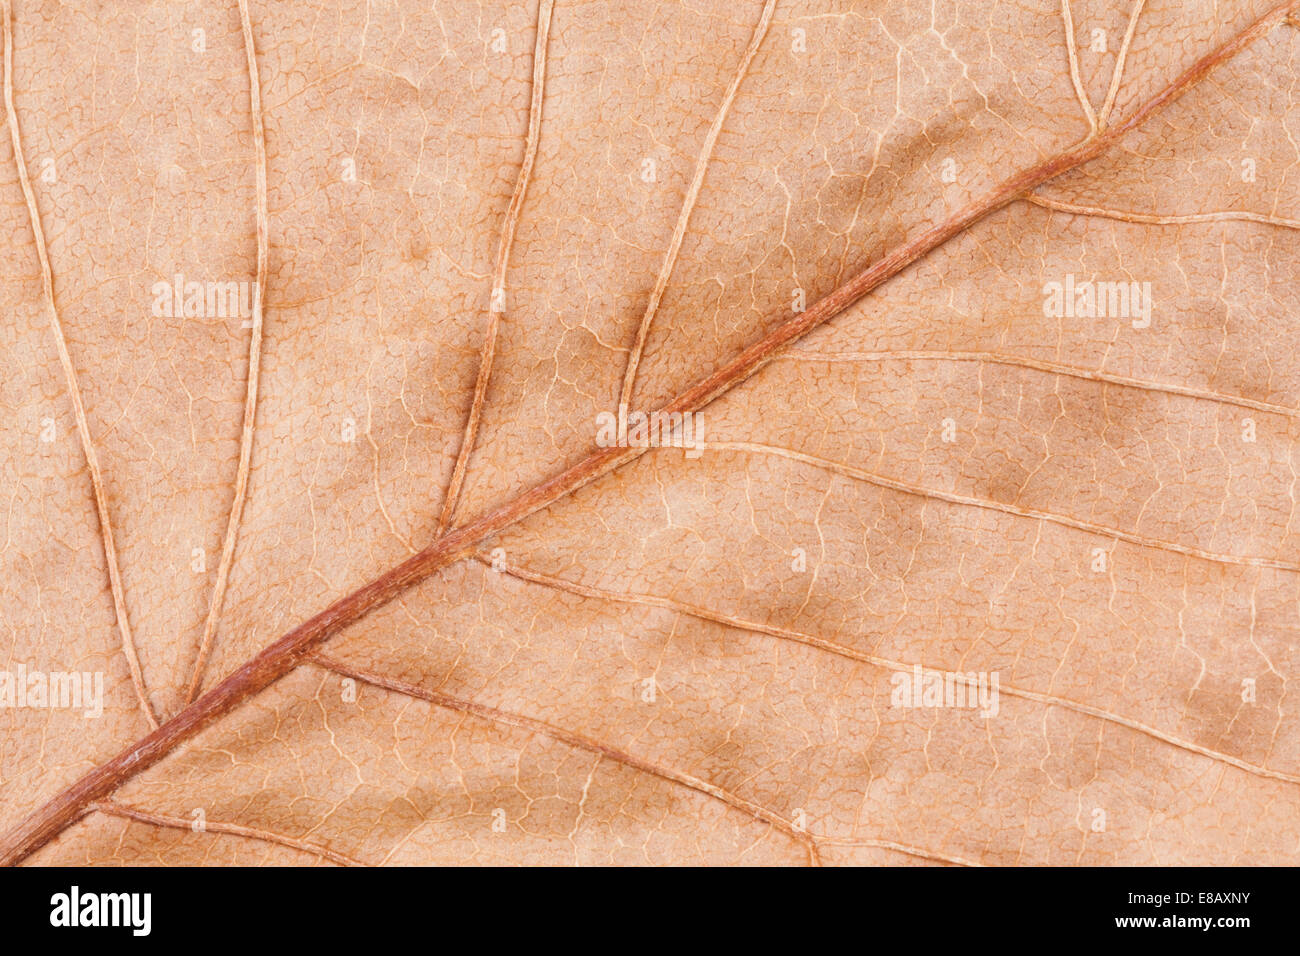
{"x": 112, "y": 809}
{"x": 1154, "y": 219}
{"x": 292, "y": 648}
{"x": 74, "y": 391}
{"x": 572, "y": 739}
{"x": 1117, "y": 76}
{"x": 497, "y": 305}
{"x": 1071, "y": 48}
{"x": 893, "y": 484}
{"x": 1041, "y": 365}
{"x": 254, "y": 369}
{"x": 688, "y": 206}
{"x": 841, "y": 650}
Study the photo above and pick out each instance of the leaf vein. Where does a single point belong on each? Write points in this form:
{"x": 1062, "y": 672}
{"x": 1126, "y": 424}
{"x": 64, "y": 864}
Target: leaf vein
{"x": 920, "y": 491}
{"x": 1154, "y": 219}
{"x": 575, "y": 740}
{"x": 254, "y": 370}
{"x": 842, "y": 650}
{"x": 283, "y": 655}
{"x": 688, "y": 206}
{"x": 496, "y": 304}
{"x": 1041, "y": 365}
{"x": 74, "y": 390}
{"x": 114, "y": 809}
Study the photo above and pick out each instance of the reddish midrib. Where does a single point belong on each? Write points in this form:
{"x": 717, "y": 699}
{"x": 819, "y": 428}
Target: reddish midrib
{"x": 286, "y": 653}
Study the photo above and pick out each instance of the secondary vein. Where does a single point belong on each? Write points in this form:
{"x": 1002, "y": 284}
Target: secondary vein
{"x": 254, "y": 370}
{"x": 497, "y": 304}
{"x": 74, "y": 390}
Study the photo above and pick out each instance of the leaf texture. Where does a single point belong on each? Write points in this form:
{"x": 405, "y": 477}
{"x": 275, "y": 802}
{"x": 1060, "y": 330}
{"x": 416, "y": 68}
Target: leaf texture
{"x": 365, "y": 587}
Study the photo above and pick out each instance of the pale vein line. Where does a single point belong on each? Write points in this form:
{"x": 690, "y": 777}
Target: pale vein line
{"x": 1156, "y": 220}
{"x": 113, "y": 809}
{"x": 1074, "y": 66}
{"x": 841, "y": 650}
{"x": 1054, "y": 368}
{"x": 83, "y": 428}
{"x": 688, "y": 206}
{"x": 905, "y": 848}
{"x": 1118, "y": 74}
{"x": 497, "y": 305}
{"x": 572, "y": 739}
{"x": 1154, "y": 543}
{"x": 254, "y": 368}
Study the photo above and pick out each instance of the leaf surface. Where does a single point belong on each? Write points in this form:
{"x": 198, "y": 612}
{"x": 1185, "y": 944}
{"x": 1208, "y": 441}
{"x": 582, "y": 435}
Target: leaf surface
{"x": 359, "y": 556}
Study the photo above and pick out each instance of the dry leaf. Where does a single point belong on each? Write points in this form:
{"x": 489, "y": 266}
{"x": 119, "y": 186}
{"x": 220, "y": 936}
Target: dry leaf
{"x": 329, "y": 340}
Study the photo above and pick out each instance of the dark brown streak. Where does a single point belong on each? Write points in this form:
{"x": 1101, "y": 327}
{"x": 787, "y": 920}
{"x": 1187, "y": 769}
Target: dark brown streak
{"x": 286, "y": 653}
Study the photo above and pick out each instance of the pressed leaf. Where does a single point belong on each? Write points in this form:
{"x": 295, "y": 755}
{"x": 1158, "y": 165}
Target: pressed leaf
{"x": 362, "y": 558}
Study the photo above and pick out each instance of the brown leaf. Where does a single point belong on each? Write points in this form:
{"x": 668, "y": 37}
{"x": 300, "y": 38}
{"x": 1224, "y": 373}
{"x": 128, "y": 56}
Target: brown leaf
{"x": 980, "y": 316}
